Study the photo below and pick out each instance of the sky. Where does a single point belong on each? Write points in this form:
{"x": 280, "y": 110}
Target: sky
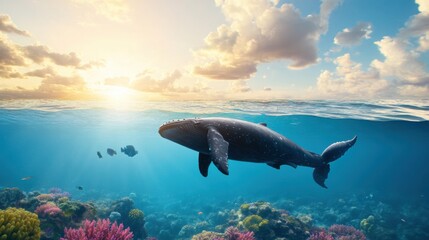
{"x": 214, "y": 49}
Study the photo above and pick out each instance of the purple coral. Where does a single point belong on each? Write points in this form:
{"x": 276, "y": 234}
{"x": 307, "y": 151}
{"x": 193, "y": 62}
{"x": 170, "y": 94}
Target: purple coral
{"x": 321, "y": 236}
{"x": 58, "y": 193}
{"x": 98, "y": 230}
{"x": 232, "y": 233}
{"x": 343, "y": 232}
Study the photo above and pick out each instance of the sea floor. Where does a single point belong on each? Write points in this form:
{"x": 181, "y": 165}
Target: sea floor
{"x": 365, "y": 216}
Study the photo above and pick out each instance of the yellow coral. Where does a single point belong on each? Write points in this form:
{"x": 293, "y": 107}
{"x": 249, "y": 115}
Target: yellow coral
{"x": 18, "y": 224}
{"x": 245, "y": 207}
{"x": 135, "y": 214}
{"x": 255, "y": 223}
{"x": 63, "y": 200}
{"x": 45, "y": 197}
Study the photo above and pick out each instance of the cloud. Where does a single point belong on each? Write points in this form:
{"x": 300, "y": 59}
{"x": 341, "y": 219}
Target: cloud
{"x": 39, "y": 53}
{"x": 233, "y": 70}
{"x": 52, "y": 87}
{"x": 400, "y": 73}
{"x": 9, "y": 53}
{"x": 260, "y": 31}
{"x": 145, "y": 82}
{"x": 353, "y": 36}
{"x": 240, "y": 86}
{"x": 7, "y": 26}
{"x": 400, "y": 62}
{"x": 424, "y": 43}
{"x": 117, "y": 81}
{"x": 418, "y": 24}
{"x": 114, "y": 10}
{"x": 8, "y": 72}
{"x": 41, "y": 73}
{"x": 349, "y": 80}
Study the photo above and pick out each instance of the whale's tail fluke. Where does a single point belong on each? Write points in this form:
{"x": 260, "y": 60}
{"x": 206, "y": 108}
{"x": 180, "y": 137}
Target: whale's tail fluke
{"x": 331, "y": 153}
{"x": 336, "y": 150}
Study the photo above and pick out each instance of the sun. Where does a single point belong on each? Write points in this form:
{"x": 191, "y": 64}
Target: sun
{"x": 118, "y": 97}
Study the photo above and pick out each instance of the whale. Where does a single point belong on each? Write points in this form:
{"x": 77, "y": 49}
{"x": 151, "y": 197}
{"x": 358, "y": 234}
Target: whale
{"x": 218, "y": 140}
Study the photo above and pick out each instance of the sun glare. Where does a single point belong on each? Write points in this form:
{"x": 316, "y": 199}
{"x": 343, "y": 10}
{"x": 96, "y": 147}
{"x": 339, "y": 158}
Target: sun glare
{"x": 118, "y": 97}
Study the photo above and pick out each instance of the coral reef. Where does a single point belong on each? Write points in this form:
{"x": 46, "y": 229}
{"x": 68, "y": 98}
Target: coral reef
{"x": 346, "y": 232}
{"x": 135, "y": 222}
{"x": 255, "y": 223}
{"x": 270, "y": 223}
{"x": 231, "y": 233}
{"x": 10, "y": 197}
{"x": 98, "y": 230}
{"x": 322, "y": 235}
{"x": 19, "y": 224}
{"x": 197, "y": 218}
{"x": 207, "y": 235}
{"x": 48, "y": 208}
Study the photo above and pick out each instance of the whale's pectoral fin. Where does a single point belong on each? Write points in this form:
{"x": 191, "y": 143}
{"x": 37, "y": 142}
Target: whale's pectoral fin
{"x": 204, "y": 163}
{"x": 218, "y": 150}
{"x": 320, "y": 174}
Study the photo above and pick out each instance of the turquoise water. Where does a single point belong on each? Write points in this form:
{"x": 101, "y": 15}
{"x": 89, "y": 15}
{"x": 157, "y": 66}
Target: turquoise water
{"x": 57, "y": 143}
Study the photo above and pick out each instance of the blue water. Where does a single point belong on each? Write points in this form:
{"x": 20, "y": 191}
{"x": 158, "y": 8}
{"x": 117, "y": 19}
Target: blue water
{"x": 56, "y": 144}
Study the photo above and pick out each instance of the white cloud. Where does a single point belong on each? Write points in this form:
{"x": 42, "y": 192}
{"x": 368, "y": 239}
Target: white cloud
{"x": 6, "y": 25}
{"x": 401, "y": 72}
{"x": 115, "y": 10}
{"x": 240, "y": 86}
{"x": 9, "y": 53}
{"x": 350, "y": 81}
{"x": 146, "y": 82}
{"x": 400, "y": 62}
{"x": 424, "y": 43}
{"x": 39, "y": 53}
{"x": 41, "y": 73}
{"x": 418, "y": 24}
{"x": 353, "y": 36}
{"x": 52, "y": 87}
{"x": 259, "y": 31}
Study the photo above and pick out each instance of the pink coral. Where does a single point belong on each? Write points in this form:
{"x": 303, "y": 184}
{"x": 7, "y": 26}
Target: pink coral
{"x": 48, "y": 209}
{"x": 98, "y": 230}
{"x": 232, "y": 233}
{"x": 320, "y": 236}
{"x": 343, "y": 232}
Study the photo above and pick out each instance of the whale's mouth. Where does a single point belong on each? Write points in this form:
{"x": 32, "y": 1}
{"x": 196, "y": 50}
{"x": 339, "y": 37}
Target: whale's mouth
{"x": 175, "y": 126}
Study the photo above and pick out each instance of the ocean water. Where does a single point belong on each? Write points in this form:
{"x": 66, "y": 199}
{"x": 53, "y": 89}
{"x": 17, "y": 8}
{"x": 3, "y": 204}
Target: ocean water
{"x": 56, "y": 144}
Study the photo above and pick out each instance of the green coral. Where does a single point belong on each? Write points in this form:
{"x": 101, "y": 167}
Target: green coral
{"x": 69, "y": 208}
{"x": 368, "y": 225}
{"x": 244, "y": 208}
{"x": 18, "y": 224}
{"x": 255, "y": 223}
{"x": 135, "y": 214}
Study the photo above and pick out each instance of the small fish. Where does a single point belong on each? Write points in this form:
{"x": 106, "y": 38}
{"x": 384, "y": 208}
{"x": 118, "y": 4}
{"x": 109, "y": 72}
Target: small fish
{"x": 403, "y": 220}
{"x": 129, "y": 150}
{"x": 200, "y": 213}
{"x": 79, "y": 188}
{"x": 111, "y": 152}
{"x": 26, "y": 178}
{"x": 99, "y": 155}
